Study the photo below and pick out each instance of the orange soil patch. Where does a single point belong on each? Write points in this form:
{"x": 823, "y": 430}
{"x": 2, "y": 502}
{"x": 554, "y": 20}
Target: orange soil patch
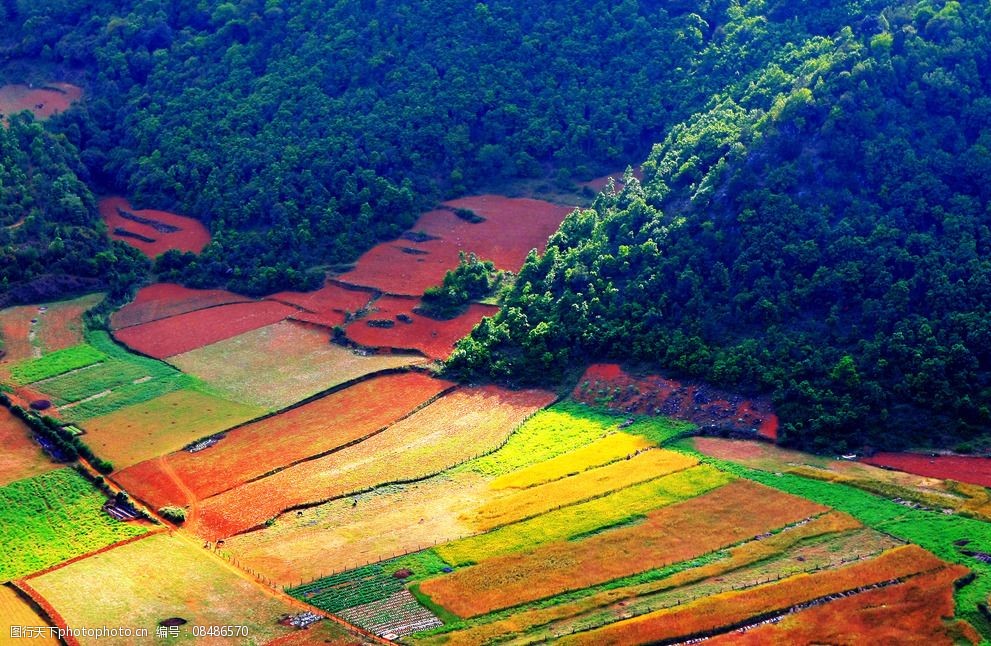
{"x": 610, "y": 385}
{"x": 21, "y": 457}
{"x": 726, "y": 609}
{"x": 43, "y": 102}
{"x": 917, "y": 611}
{"x": 326, "y": 320}
{"x": 325, "y": 633}
{"x": 162, "y": 300}
{"x": 433, "y": 338}
{"x": 260, "y": 447}
{"x": 15, "y": 329}
{"x": 455, "y": 428}
{"x": 191, "y": 235}
{"x": 945, "y": 467}
{"x": 328, "y": 298}
{"x": 599, "y": 183}
{"x": 734, "y": 512}
{"x": 184, "y": 332}
{"x": 512, "y": 227}
{"x": 58, "y": 326}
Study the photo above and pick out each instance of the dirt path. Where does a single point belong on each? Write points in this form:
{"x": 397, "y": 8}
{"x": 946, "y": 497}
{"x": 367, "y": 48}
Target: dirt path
{"x": 191, "y": 499}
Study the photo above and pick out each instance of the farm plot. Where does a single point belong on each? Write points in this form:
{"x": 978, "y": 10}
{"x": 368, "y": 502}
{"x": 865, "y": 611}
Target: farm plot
{"x": 261, "y": 447}
{"x": 29, "y": 331}
{"x": 609, "y": 385}
{"x": 911, "y": 612}
{"x": 734, "y": 512}
{"x": 162, "y": 300}
{"x": 392, "y": 323}
{"x": 156, "y": 578}
{"x": 453, "y": 429}
{"x": 329, "y": 298}
{"x": 396, "y": 616}
{"x": 606, "y": 603}
{"x": 511, "y": 227}
{"x": 341, "y": 534}
{"x": 618, "y": 508}
{"x": 720, "y": 611}
{"x": 118, "y": 380}
{"x": 593, "y": 483}
{"x": 163, "y": 424}
{"x": 15, "y": 611}
{"x": 609, "y": 449}
{"x": 55, "y": 363}
{"x": 53, "y": 517}
{"x": 150, "y": 231}
{"x": 21, "y": 457}
{"x": 43, "y": 101}
{"x": 281, "y": 364}
{"x": 182, "y": 333}
{"x": 945, "y": 467}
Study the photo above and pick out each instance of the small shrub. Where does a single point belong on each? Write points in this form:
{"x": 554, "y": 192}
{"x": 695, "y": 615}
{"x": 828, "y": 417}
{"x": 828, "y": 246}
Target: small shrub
{"x": 173, "y": 514}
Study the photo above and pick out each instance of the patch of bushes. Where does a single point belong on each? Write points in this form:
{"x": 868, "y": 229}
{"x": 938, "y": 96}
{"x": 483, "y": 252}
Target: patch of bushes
{"x": 173, "y": 514}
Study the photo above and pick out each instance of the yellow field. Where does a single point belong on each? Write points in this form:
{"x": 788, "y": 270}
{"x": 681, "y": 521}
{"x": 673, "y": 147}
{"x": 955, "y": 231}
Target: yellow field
{"x": 587, "y": 516}
{"x": 141, "y": 583}
{"x": 615, "y": 446}
{"x": 14, "y": 611}
{"x": 589, "y": 484}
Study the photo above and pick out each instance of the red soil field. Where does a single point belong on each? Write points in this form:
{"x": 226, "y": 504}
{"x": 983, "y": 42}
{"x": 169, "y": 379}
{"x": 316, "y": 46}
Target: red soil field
{"x": 458, "y": 426}
{"x": 43, "y": 101}
{"x": 21, "y": 457}
{"x": 324, "y": 320}
{"x": 433, "y": 338}
{"x": 945, "y": 467}
{"x": 409, "y": 265}
{"x": 328, "y": 298}
{"x": 184, "y": 332}
{"x": 191, "y": 236}
{"x": 911, "y": 612}
{"x": 163, "y": 300}
{"x": 277, "y": 441}
{"x": 734, "y": 512}
{"x": 695, "y": 402}
{"x": 599, "y": 183}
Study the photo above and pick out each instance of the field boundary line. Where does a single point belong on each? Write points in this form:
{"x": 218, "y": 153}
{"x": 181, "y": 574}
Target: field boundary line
{"x": 106, "y": 548}
{"x": 247, "y": 299}
{"x": 48, "y": 610}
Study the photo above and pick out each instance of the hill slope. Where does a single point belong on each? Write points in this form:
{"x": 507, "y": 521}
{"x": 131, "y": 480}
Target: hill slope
{"x": 822, "y": 233}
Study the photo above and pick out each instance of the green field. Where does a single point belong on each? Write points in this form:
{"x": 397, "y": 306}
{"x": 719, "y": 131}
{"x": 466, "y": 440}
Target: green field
{"x": 51, "y": 518}
{"x": 56, "y": 363}
{"x": 118, "y": 380}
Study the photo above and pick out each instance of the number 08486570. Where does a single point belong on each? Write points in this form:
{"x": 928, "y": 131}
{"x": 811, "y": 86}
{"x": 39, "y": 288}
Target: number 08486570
{"x": 220, "y": 631}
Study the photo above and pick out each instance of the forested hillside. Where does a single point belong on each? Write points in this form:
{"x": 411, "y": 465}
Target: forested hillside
{"x": 302, "y": 132}
{"x": 51, "y": 239}
{"x": 821, "y": 232}
{"x": 813, "y": 222}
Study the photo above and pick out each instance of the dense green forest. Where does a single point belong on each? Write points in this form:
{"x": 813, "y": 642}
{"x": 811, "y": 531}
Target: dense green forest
{"x": 813, "y": 223}
{"x": 303, "y": 132}
{"x": 821, "y": 233}
{"x": 51, "y": 238}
